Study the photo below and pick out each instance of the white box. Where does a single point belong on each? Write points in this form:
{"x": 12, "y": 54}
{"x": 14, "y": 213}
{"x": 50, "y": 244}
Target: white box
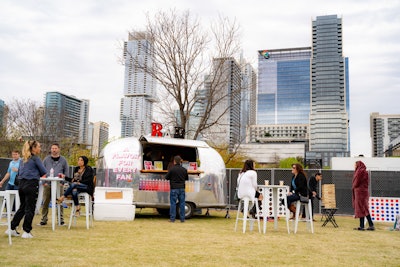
{"x": 113, "y": 195}
{"x": 114, "y": 212}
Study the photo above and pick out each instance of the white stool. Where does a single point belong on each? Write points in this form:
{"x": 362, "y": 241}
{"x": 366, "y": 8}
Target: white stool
{"x": 86, "y": 199}
{"x": 309, "y": 218}
{"x": 245, "y": 201}
{"x": 5, "y": 199}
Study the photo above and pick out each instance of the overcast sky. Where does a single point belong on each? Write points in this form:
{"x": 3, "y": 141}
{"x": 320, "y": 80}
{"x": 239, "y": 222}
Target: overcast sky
{"x": 73, "y": 47}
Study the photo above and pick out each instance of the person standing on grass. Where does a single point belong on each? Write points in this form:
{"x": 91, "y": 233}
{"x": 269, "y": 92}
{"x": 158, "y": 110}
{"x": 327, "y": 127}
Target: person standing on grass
{"x": 12, "y": 172}
{"x": 30, "y": 171}
{"x": 60, "y": 166}
{"x": 360, "y": 196}
{"x": 177, "y": 177}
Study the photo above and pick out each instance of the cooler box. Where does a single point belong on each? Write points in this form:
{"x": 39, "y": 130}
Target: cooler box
{"x": 114, "y": 212}
{"x": 113, "y": 195}
{"x": 113, "y": 204}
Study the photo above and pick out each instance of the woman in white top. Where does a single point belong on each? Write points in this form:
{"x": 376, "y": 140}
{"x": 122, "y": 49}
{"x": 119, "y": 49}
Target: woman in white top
{"x": 247, "y": 181}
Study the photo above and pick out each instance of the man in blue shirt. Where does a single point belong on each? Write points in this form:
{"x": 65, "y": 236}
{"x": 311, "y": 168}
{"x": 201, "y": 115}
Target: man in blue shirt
{"x": 12, "y": 172}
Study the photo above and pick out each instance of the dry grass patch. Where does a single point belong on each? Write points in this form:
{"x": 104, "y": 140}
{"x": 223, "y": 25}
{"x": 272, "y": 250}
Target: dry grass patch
{"x": 150, "y": 240}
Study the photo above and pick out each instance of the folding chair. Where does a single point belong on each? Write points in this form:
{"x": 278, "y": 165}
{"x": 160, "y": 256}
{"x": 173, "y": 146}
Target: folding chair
{"x": 329, "y": 205}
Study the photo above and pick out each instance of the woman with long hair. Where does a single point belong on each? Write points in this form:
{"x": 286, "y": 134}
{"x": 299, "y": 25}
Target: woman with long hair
{"x": 298, "y": 186}
{"x": 30, "y": 171}
{"x": 81, "y": 182}
{"x": 360, "y": 196}
{"x": 247, "y": 183}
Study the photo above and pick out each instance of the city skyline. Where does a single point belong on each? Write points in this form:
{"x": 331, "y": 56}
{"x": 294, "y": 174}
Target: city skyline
{"x": 75, "y": 49}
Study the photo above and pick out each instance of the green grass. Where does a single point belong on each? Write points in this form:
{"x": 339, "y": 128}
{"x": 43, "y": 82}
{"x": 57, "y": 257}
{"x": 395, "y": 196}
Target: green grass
{"x": 150, "y": 240}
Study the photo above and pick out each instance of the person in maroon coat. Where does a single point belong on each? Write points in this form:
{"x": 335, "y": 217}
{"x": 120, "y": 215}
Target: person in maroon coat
{"x": 361, "y": 196}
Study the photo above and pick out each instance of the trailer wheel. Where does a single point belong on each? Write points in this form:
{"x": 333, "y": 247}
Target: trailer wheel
{"x": 189, "y": 209}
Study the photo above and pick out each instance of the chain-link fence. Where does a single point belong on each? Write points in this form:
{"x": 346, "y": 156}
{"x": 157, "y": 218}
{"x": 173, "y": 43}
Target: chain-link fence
{"x": 382, "y": 184}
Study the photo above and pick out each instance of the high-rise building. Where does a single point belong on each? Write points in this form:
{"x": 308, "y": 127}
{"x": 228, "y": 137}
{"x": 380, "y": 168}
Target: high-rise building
{"x": 283, "y": 86}
{"x": 66, "y": 117}
{"x": 248, "y": 103}
{"x": 329, "y": 116}
{"x": 2, "y": 114}
{"x": 100, "y": 137}
{"x": 139, "y": 86}
{"x": 384, "y": 130}
{"x": 225, "y": 83}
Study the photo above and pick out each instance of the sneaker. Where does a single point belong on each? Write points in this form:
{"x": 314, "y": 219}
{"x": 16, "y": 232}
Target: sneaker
{"x": 371, "y": 228}
{"x": 13, "y": 232}
{"x": 62, "y": 224}
{"x": 42, "y": 224}
{"x": 27, "y": 235}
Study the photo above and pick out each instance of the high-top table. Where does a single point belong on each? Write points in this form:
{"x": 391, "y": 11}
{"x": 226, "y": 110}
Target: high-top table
{"x": 55, "y": 193}
{"x": 270, "y": 203}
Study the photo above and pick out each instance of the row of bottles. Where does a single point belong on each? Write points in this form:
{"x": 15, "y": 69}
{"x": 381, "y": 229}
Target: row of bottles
{"x": 162, "y": 185}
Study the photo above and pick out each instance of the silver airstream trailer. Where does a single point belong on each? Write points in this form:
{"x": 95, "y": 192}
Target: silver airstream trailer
{"x": 142, "y": 163}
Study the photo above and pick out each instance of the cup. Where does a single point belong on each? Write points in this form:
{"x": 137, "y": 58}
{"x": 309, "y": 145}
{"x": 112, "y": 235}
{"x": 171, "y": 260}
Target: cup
{"x": 266, "y": 182}
{"x": 60, "y": 175}
{"x": 280, "y": 182}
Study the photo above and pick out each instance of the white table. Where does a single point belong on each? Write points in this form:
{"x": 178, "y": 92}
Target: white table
{"x": 55, "y": 193}
{"x": 271, "y": 198}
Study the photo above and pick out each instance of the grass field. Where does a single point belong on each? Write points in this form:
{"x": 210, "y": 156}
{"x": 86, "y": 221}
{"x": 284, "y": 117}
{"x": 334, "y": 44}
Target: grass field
{"x": 150, "y": 240}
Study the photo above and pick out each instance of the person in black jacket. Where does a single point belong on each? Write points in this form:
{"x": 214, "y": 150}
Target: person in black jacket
{"x": 177, "y": 177}
{"x": 298, "y": 186}
{"x": 82, "y": 182}
{"x": 312, "y": 191}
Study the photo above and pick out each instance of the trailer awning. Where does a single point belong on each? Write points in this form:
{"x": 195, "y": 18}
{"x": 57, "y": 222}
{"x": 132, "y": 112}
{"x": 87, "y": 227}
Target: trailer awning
{"x": 173, "y": 141}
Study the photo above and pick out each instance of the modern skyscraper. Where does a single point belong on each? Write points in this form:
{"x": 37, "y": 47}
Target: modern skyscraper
{"x": 66, "y": 117}
{"x": 283, "y": 86}
{"x": 139, "y": 86}
{"x": 226, "y": 97}
{"x": 100, "y": 137}
{"x": 2, "y": 114}
{"x": 384, "y": 129}
{"x": 329, "y": 116}
{"x": 248, "y": 103}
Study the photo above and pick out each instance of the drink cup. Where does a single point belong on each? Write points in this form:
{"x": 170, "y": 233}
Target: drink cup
{"x": 266, "y": 182}
{"x": 280, "y": 182}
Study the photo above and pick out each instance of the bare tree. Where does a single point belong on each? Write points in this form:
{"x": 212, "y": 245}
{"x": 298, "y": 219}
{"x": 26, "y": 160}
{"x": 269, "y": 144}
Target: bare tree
{"x": 191, "y": 65}
{"x": 24, "y": 119}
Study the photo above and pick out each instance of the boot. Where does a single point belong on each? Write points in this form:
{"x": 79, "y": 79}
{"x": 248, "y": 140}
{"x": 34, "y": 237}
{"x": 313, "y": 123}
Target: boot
{"x": 292, "y": 208}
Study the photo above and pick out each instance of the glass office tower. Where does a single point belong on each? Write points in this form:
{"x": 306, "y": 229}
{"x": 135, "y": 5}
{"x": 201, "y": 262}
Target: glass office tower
{"x": 284, "y": 86}
{"x": 329, "y": 118}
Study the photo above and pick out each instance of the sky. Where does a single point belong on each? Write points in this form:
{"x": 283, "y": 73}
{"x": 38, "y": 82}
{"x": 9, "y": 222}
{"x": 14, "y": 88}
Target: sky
{"x": 74, "y": 47}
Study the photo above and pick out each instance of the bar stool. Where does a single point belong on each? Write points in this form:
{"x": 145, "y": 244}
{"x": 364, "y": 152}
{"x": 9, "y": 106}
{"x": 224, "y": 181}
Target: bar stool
{"x": 5, "y": 197}
{"x": 309, "y": 218}
{"x": 86, "y": 199}
{"x": 245, "y": 202}
{"x": 14, "y": 197}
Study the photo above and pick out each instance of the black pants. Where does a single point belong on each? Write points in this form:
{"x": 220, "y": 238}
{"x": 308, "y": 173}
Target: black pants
{"x": 28, "y": 193}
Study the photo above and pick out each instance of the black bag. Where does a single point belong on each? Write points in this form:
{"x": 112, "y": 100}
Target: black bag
{"x": 304, "y": 199}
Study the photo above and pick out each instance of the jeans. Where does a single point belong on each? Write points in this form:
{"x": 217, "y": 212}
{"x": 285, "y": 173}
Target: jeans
{"x": 174, "y": 195}
{"x": 292, "y": 198}
{"x": 74, "y": 189}
{"x": 28, "y": 193}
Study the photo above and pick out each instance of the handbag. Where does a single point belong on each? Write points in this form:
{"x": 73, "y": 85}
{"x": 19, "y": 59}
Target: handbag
{"x": 304, "y": 199}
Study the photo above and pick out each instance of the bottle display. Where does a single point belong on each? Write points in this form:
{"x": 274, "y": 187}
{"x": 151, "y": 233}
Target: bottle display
{"x": 162, "y": 185}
